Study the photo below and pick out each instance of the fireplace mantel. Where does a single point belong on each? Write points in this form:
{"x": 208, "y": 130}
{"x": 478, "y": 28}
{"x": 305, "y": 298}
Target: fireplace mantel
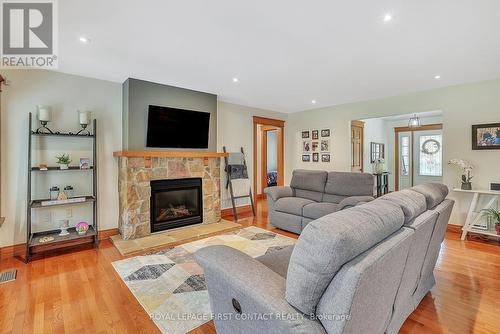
{"x": 147, "y": 155}
{"x": 170, "y": 154}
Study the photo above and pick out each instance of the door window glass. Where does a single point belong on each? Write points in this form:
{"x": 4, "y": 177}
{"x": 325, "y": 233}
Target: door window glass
{"x": 430, "y": 160}
{"x": 405, "y": 155}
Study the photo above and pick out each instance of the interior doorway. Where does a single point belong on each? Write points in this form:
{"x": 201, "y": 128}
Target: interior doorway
{"x": 419, "y": 155}
{"x": 357, "y": 150}
{"x": 378, "y": 152}
{"x": 268, "y": 162}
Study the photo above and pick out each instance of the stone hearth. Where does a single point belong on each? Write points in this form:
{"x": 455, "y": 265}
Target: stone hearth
{"x": 135, "y": 174}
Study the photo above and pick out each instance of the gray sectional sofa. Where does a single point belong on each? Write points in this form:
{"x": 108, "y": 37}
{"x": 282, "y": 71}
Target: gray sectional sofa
{"x": 359, "y": 270}
{"x": 313, "y": 194}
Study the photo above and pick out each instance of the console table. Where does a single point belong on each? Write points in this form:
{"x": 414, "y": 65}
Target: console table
{"x": 382, "y": 183}
{"x": 475, "y": 214}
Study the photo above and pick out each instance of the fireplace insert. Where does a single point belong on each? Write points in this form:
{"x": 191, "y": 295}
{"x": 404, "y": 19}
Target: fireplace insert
{"x": 176, "y": 203}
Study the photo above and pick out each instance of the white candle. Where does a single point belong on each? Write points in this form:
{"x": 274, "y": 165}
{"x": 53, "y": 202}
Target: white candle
{"x": 44, "y": 113}
{"x": 84, "y": 117}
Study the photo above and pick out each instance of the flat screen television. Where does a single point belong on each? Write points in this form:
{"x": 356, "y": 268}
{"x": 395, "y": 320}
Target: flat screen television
{"x": 177, "y": 128}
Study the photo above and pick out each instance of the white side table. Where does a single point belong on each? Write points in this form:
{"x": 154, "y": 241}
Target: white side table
{"x": 474, "y": 215}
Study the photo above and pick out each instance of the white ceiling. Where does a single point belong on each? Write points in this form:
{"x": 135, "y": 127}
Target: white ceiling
{"x": 284, "y": 53}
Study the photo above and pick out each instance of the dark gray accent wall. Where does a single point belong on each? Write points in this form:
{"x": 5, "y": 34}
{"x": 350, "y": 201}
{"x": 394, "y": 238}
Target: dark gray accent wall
{"x": 139, "y": 94}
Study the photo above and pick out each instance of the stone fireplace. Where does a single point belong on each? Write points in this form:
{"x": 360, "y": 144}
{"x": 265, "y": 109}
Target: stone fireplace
{"x": 141, "y": 174}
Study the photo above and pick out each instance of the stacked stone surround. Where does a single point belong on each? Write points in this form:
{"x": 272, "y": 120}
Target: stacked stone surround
{"x": 135, "y": 190}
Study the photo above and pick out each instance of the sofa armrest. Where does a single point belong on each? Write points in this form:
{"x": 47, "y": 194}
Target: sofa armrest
{"x": 278, "y": 192}
{"x": 248, "y": 297}
{"x": 349, "y": 202}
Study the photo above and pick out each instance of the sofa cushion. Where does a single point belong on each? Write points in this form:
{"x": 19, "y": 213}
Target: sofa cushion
{"x": 313, "y": 180}
{"x": 434, "y": 193}
{"x": 292, "y": 205}
{"x": 349, "y": 184}
{"x": 411, "y": 202}
{"x": 333, "y": 198}
{"x": 312, "y": 195}
{"x": 277, "y": 260}
{"x": 327, "y": 243}
{"x": 318, "y": 210}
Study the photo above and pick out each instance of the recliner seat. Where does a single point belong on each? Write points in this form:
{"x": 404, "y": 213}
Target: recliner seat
{"x": 360, "y": 270}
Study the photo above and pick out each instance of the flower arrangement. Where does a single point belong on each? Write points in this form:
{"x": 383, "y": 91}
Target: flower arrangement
{"x": 82, "y": 228}
{"x": 63, "y": 161}
{"x": 467, "y": 168}
{"x": 379, "y": 166}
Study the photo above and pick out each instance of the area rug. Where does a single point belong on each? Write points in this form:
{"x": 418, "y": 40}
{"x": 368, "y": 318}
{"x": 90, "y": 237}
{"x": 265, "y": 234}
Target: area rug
{"x": 170, "y": 285}
{"x": 171, "y": 237}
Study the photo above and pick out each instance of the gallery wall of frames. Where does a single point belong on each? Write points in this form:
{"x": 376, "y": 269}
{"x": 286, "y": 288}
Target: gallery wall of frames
{"x": 316, "y": 145}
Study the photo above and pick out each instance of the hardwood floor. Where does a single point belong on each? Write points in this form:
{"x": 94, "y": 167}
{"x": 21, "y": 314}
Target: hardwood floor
{"x": 80, "y": 292}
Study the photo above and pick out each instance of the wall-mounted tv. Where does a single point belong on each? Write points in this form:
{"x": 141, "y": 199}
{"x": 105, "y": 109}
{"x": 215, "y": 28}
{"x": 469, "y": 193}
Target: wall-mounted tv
{"x": 177, "y": 128}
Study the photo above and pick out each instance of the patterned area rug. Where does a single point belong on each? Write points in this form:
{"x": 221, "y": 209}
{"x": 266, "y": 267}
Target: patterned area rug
{"x": 170, "y": 285}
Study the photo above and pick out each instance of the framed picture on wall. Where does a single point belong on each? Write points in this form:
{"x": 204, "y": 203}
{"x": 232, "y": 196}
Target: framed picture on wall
{"x": 486, "y": 136}
{"x": 305, "y": 134}
{"x": 315, "y": 134}
{"x": 325, "y": 145}
{"x": 315, "y": 157}
{"x": 325, "y": 158}
{"x": 306, "y": 146}
{"x": 315, "y": 146}
{"x": 325, "y": 133}
{"x": 306, "y": 157}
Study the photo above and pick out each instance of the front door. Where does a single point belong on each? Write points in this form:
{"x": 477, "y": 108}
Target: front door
{"x": 428, "y": 157}
{"x": 420, "y": 157}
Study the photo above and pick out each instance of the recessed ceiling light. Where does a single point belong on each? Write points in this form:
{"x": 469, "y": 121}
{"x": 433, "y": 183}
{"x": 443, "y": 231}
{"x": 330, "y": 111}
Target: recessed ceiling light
{"x": 437, "y": 77}
{"x": 313, "y": 101}
{"x": 235, "y": 80}
{"x": 84, "y": 40}
{"x": 387, "y": 17}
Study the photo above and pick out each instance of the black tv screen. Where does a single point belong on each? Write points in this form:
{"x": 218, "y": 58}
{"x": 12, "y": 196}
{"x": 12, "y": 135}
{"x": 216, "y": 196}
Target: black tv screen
{"x": 177, "y": 128}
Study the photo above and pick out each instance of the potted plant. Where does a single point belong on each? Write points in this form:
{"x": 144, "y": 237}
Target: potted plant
{"x": 63, "y": 161}
{"x": 467, "y": 168}
{"x": 494, "y": 214}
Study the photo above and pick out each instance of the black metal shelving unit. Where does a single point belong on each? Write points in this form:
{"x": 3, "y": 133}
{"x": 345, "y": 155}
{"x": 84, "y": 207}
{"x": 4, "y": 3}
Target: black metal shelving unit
{"x": 73, "y": 239}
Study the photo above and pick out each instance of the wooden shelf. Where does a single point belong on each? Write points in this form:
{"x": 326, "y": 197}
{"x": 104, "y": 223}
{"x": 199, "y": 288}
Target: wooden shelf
{"x": 38, "y": 202}
{"x": 56, "y": 168}
{"x": 170, "y": 154}
{"x": 72, "y": 239}
{"x": 61, "y": 134}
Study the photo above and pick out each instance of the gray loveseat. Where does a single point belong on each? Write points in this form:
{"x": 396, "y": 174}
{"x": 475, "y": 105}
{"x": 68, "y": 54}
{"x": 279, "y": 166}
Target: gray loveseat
{"x": 359, "y": 270}
{"x": 313, "y": 194}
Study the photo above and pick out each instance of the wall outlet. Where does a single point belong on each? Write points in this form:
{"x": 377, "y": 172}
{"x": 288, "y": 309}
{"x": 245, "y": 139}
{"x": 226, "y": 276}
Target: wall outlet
{"x": 69, "y": 213}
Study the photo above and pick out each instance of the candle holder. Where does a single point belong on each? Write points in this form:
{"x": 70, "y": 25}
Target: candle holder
{"x": 44, "y": 116}
{"x": 84, "y": 118}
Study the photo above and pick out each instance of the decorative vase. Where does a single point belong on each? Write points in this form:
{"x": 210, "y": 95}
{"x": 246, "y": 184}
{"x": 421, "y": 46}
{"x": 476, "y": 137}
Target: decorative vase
{"x": 82, "y": 232}
{"x": 466, "y": 186}
{"x": 63, "y": 166}
{"x": 497, "y": 227}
